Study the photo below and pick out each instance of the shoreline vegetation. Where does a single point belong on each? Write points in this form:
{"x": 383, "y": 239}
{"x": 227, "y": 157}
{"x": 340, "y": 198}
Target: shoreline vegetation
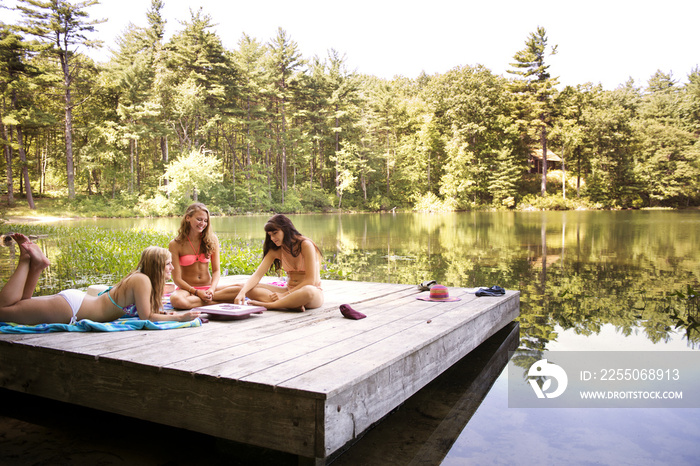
{"x": 262, "y": 128}
{"x": 56, "y": 209}
{"x": 84, "y": 256}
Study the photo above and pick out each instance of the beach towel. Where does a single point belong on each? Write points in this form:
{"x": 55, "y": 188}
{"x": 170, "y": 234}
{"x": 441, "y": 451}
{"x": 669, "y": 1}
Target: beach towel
{"x": 87, "y": 325}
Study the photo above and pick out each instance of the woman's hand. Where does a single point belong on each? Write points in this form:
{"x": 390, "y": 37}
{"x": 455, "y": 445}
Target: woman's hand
{"x": 275, "y": 296}
{"x": 205, "y": 295}
{"x": 186, "y": 316}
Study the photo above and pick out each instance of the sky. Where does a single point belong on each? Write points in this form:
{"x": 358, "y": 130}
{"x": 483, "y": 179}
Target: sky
{"x": 602, "y": 42}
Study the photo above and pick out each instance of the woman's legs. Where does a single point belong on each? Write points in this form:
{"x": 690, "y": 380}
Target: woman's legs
{"x": 13, "y": 290}
{"x": 38, "y": 310}
{"x": 16, "y": 301}
{"x": 306, "y": 297}
{"x": 22, "y": 283}
{"x": 181, "y": 299}
{"x": 227, "y": 293}
{"x": 273, "y": 296}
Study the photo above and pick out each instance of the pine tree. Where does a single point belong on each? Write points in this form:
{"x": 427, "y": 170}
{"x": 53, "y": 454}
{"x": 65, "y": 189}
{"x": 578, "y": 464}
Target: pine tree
{"x": 249, "y": 63}
{"x": 536, "y": 88}
{"x": 343, "y": 89}
{"x": 61, "y": 26}
{"x": 18, "y": 83}
{"x": 285, "y": 61}
{"x": 202, "y": 76}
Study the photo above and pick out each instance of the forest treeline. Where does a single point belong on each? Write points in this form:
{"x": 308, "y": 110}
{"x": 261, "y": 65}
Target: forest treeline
{"x": 263, "y": 128}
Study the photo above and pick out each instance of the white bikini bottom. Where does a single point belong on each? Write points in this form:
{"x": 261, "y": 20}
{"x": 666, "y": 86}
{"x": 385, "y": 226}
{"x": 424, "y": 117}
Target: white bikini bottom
{"x": 75, "y": 299}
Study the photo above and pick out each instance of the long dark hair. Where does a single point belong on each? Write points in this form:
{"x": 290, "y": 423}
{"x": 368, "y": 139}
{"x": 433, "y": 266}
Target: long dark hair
{"x": 207, "y": 243}
{"x": 292, "y": 238}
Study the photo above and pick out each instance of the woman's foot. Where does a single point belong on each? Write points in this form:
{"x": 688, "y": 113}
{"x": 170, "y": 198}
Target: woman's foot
{"x": 20, "y": 239}
{"x": 38, "y": 258}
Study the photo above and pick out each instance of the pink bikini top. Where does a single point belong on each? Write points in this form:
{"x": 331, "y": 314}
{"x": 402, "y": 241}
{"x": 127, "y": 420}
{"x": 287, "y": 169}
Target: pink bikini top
{"x": 291, "y": 263}
{"x": 189, "y": 259}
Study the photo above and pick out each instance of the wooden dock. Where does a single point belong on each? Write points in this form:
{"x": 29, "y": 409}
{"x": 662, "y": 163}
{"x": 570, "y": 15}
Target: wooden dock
{"x": 303, "y": 383}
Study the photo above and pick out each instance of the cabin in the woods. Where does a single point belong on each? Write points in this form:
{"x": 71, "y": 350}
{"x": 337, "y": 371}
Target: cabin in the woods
{"x": 554, "y": 162}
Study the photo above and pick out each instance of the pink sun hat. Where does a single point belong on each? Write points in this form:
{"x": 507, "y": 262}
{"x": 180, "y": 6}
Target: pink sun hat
{"x": 438, "y": 293}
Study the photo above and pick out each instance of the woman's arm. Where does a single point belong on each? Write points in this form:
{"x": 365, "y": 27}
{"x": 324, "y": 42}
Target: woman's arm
{"x": 139, "y": 286}
{"x": 215, "y": 267}
{"x": 256, "y": 277}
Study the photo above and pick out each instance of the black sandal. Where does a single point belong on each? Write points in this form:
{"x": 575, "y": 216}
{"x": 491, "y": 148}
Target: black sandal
{"x": 425, "y": 286}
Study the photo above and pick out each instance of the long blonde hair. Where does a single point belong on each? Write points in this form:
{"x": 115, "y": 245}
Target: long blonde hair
{"x": 152, "y": 264}
{"x": 207, "y": 243}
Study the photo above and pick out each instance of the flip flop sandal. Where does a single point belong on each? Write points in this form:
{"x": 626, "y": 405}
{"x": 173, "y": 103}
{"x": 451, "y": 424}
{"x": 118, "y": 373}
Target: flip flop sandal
{"x": 425, "y": 286}
{"x": 493, "y": 291}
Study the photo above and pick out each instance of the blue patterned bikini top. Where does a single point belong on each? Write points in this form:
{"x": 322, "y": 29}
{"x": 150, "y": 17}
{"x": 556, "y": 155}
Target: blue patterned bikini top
{"x": 129, "y": 311}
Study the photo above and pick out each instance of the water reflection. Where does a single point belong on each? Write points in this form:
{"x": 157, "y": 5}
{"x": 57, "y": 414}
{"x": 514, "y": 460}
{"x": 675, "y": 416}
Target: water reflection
{"x": 575, "y": 270}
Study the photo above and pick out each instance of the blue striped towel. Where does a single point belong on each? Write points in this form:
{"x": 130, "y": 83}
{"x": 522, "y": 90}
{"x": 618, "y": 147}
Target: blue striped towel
{"x": 87, "y": 325}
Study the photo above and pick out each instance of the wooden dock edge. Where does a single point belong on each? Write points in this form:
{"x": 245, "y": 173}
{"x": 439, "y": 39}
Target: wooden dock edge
{"x": 425, "y": 427}
{"x": 351, "y": 412}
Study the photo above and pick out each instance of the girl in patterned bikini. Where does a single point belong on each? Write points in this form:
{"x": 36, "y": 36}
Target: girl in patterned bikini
{"x": 194, "y": 249}
{"x": 142, "y": 288}
{"x": 285, "y": 248}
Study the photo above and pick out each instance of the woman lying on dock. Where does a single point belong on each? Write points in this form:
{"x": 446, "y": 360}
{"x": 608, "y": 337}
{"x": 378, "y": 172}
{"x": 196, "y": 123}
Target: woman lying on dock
{"x": 194, "y": 249}
{"x": 299, "y": 257}
{"x": 137, "y": 294}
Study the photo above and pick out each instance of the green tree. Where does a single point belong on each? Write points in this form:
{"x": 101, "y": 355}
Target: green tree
{"x": 667, "y": 164}
{"x": 569, "y": 130}
{"x": 608, "y": 122}
{"x": 201, "y": 75}
{"x": 285, "y": 61}
{"x": 248, "y": 60}
{"x": 342, "y": 100}
{"x": 383, "y": 103}
{"x": 15, "y": 85}
{"x": 191, "y": 174}
{"x": 534, "y": 91}
{"x": 315, "y": 115}
{"x": 61, "y": 26}
{"x": 471, "y": 108}
{"x": 160, "y": 88}
{"x": 692, "y": 101}
{"x": 132, "y": 75}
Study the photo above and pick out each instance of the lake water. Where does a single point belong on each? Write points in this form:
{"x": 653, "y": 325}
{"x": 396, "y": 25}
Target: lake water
{"x": 589, "y": 281}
